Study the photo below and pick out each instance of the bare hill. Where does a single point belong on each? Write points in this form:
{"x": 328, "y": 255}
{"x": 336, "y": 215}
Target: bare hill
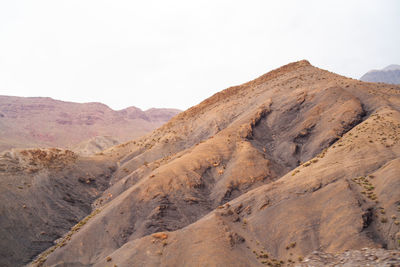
{"x": 45, "y": 122}
{"x": 297, "y": 160}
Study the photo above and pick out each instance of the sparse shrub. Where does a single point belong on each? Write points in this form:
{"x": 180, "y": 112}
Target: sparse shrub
{"x": 307, "y": 164}
{"x": 265, "y": 256}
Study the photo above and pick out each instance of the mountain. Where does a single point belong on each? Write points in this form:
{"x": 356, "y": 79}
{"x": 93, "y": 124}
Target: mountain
{"x": 45, "y": 122}
{"x": 390, "y": 74}
{"x": 264, "y": 173}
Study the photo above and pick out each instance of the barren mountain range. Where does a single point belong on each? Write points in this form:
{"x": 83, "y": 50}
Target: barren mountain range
{"x": 264, "y": 173}
{"x": 45, "y": 122}
{"x": 390, "y": 74}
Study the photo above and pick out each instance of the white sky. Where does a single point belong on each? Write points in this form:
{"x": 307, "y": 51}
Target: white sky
{"x": 177, "y": 53}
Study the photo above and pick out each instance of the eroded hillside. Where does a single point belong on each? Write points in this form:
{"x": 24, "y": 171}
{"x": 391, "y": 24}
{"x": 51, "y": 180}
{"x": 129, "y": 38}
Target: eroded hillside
{"x": 297, "y": 160}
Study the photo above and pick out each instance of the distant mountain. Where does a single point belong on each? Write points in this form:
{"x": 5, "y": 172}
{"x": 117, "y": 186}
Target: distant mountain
{"x": 390, "y": 74}
{"x": 45, "y": 122}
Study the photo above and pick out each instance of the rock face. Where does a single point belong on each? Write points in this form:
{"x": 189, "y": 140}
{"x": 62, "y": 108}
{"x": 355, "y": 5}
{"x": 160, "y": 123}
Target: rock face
{"x": 264, "y": 173}
{"x": 390, "y": 74}
{"x": 45, "y": 122}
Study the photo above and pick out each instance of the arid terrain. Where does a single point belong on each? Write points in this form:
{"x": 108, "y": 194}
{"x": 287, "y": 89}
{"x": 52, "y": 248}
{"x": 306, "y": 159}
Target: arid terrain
{"x": 261, "y": 174}
{"x": 44, "y": 122}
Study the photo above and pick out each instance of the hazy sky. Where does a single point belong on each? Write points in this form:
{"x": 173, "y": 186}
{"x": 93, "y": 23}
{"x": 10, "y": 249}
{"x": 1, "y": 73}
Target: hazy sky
{"x": 177, "y": 53}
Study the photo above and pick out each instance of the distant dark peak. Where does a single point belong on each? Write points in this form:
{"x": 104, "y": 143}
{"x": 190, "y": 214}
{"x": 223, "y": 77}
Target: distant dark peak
{"x": 389, "y": 74}
{"x": 392, "y": 67}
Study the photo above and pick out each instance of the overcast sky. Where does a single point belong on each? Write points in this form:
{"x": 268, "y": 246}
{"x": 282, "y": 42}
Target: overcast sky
{"x": 177, "y": 53}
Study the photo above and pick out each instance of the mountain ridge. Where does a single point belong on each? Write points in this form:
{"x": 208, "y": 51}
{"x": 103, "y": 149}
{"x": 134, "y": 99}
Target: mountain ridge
{"x": 297, "y": 160}
{"x": 43, "y": 121}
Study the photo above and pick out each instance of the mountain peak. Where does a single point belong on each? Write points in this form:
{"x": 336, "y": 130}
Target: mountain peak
{"x": 392, "y": 67}
{"x": 297, "y": 160}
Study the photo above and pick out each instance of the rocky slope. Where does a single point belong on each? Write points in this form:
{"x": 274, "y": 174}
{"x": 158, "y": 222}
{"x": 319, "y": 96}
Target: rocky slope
{"x": 297, "y": 160}
{"x": 390, "y": 74}
{"x": 45, "y": 122}
{"x": 43, "y": 192}
{"x": 363, "y": 257}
